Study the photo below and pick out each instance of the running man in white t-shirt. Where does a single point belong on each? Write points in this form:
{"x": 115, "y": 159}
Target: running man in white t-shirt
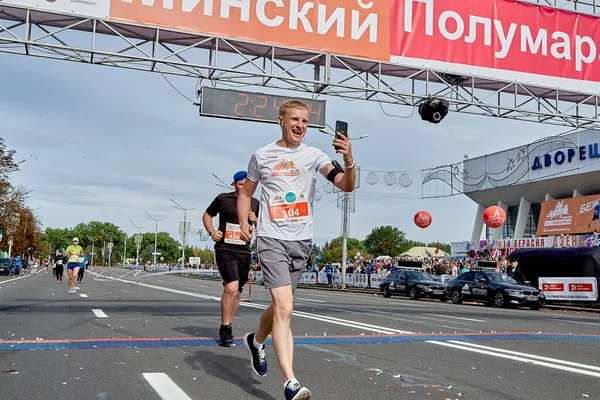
{"x": 288, "y": 171}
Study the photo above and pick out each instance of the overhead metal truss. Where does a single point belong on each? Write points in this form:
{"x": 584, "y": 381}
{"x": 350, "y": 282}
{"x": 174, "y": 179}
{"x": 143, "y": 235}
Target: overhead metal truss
{"x": 591, "y": 7}
{"x": 32, "y": 32}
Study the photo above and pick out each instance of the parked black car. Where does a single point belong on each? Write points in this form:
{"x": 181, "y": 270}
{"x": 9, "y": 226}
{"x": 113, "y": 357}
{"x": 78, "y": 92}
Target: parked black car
{"x": 413, "y": 283}
{"x": 493, "y": 288}
{"x": 4, "y": 266}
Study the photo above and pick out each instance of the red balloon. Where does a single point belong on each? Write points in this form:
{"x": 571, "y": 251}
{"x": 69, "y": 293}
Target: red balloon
{"x": 422, "y": 219}
{"x": 494, "y": 216}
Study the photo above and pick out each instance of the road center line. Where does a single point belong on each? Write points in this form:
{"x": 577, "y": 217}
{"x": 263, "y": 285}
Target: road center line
{"x": 165, "y": 387}
{"x": 495, "y": 353}
{"x": 517, "y": 353}
{"x": 465, "y": 319}
{"x": 99, "y": 313}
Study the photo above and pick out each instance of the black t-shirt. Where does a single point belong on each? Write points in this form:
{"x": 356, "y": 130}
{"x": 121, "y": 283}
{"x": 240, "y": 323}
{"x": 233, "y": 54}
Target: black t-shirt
{"x": 225, "y": 205}
{"x": 58, "y": 260}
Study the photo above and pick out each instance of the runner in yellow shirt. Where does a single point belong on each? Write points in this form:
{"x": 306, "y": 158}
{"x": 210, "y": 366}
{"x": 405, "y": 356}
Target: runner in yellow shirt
{"x": 72, "y": 253}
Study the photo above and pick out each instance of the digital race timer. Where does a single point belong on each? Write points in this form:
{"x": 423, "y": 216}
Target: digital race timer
{"x": 251, "y": 106}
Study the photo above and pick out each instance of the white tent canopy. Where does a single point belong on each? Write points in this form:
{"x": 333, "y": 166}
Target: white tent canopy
{"x": 424, "y": 252}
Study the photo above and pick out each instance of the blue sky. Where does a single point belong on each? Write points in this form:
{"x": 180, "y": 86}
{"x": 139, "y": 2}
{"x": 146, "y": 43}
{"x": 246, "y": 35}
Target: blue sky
{"x": 104, "y": 143}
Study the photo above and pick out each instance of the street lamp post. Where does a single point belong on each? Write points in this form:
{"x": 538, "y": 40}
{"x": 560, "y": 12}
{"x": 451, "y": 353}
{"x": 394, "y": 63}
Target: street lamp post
{"x": 137, "y": 241}
{"x": 93, "y": 253}
{"x": 183, "y": 230}
{"x": 110, "y": 247}
{"x": 155, "y": 236}
{"x": 345, "y": 216}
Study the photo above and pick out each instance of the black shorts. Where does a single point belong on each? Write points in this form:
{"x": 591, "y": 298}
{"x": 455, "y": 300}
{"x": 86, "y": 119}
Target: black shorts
{"x": 595, "y": 217}
{"x": 233, "y": 266}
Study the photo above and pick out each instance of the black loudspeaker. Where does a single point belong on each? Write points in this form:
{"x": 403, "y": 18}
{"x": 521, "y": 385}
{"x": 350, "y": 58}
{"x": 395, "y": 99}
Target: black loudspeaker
{"x": 433, "y": 109}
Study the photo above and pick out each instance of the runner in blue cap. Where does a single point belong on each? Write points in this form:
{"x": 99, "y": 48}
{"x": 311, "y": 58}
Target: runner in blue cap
{"x": 232, "y": 254}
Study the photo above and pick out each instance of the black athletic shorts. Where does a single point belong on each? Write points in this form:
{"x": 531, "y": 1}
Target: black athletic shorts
{"x": 233, "y": 266}
{"x": 595, "y": 217}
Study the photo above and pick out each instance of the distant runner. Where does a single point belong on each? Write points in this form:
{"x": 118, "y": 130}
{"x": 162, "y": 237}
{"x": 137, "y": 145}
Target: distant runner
{"x": 287, "y": 170}
{"x": 232, "y": 254}
{"x": 73, "y": 252}
{"x": 59, "y": 266}
{"x": 82, "y": 265}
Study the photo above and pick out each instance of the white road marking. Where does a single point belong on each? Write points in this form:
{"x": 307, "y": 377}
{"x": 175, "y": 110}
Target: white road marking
{"x": 15, "y": 279}
{"x": 496, "y": 353}
{"x": 577, "y": 322}
{"x": 99, "y": 313}
{"x": 314, "y": 294}
{"x": 83, "y": 295}
{"x": 517, "y": 353}
{"x": 339, "y": 321}
{"x": 331, "y": 320}
{"x": 311, "y": 300}
{"x": 165, "y": 387}
{"x": 466, "y": 319}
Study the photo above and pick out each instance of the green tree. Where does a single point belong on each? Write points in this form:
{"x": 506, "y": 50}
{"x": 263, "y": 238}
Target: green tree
{"x": 385, "y": 241}
{"x": 207, "y": 256}
{"x": 353, "y": 243}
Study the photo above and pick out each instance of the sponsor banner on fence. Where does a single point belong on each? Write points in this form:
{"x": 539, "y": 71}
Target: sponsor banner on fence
{"x": 580, "y": 289}
{"x": 501, "y": 39}
{"x": 194, "y": 261}
{"x": 570, "y": 216}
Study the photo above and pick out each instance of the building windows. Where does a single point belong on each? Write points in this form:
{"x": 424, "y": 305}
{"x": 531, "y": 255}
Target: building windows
{"x": 508, "y": 229}
{"x": 532, "y": 220}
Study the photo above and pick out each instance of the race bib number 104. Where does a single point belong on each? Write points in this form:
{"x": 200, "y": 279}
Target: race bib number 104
{"x": 289, "y": 207}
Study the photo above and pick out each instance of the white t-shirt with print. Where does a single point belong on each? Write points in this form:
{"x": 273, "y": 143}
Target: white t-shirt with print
{"x": 288, "y": 177}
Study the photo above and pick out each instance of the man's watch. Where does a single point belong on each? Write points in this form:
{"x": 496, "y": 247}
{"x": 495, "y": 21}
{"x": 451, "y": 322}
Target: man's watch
{"x": 350, "y": 166}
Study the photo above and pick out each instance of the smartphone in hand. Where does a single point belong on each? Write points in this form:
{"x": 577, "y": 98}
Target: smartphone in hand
{"x": 341, "y": 127}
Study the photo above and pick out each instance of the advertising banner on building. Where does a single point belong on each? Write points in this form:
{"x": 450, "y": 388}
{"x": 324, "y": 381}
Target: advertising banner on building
{"x": 503, "y": 39}
{"x": 580, "y": 289}
{"x": 570, "y": 216}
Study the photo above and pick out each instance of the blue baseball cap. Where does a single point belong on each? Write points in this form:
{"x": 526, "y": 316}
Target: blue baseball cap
{"x": 239, "y": 176}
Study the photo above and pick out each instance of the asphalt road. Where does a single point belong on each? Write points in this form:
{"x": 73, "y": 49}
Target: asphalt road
{"x": 127, "y": 336}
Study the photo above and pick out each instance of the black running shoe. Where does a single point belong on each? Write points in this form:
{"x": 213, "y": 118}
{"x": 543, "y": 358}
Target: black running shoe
{"x": 258, "y": 357}
{"x": 226, "y": 334}
{"x": 294, "y": 391}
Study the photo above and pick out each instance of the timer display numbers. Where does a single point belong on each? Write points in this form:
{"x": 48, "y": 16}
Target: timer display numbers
{"x": 252, "y": 106}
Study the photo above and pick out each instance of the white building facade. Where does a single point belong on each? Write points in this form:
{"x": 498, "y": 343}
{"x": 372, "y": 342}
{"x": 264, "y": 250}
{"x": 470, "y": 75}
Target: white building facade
{"x": 521, "y": 178}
